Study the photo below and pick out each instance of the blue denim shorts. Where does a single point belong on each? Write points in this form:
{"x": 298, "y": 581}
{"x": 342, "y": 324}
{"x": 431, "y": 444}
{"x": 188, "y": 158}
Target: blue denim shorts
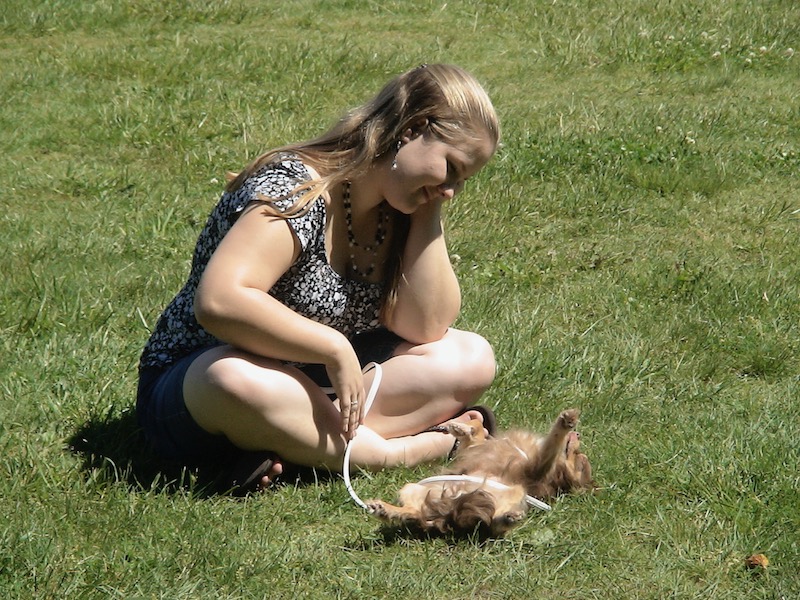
{"x": 168, "y": 427}
{"x": 173, "y": 433}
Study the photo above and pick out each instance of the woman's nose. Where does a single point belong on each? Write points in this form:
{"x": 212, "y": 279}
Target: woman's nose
{"x": 447, "y": 190}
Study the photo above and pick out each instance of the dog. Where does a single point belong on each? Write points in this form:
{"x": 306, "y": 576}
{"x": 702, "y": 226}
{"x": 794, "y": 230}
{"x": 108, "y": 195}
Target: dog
{"x": 506, "y": 473}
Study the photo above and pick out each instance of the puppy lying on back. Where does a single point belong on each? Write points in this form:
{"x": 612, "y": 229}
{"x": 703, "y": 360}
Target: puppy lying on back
{"x": 505, "y": 471}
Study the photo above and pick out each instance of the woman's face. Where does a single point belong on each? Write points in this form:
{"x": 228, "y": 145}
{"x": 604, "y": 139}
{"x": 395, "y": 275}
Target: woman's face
{"x": 432, "y": 170}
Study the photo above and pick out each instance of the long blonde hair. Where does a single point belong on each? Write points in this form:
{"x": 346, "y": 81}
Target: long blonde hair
{"x": 451, "y": 101}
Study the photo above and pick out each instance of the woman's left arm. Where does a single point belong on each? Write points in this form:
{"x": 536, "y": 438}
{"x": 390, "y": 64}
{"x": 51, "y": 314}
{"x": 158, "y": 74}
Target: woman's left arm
{"x": 428, "y": 295}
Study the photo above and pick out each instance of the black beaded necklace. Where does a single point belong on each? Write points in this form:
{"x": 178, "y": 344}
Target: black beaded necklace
{"x": 380, "y": 234}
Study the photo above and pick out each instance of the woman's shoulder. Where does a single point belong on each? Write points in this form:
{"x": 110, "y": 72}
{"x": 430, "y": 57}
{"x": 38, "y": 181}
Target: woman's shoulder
{"x": 279, "y": 177}
{"x": 280, "y": 183}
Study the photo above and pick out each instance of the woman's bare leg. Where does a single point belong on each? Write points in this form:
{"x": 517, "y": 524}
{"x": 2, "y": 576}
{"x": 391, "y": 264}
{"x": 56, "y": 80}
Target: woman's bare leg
{"x": 261, "y": 404}
{"x": 427, "y": 384}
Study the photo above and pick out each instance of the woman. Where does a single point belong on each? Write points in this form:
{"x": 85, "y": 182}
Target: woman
{"x": 321, "y": 256}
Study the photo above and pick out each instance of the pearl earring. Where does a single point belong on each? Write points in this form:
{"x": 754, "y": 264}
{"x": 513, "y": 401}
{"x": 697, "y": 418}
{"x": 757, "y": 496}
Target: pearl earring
{"x": 394, "y": 162}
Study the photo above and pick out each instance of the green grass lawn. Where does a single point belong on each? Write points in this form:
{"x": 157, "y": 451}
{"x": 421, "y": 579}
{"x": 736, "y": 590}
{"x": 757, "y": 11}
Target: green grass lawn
{"x": 632, "y": 250}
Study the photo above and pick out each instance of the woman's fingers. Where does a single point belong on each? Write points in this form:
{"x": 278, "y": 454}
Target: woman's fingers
{"x": 352, "y": 409}
{"x": 348, "y": 382}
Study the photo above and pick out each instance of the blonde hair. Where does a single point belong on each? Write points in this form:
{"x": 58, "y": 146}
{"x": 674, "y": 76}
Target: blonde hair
{"x": 447, "y": 98}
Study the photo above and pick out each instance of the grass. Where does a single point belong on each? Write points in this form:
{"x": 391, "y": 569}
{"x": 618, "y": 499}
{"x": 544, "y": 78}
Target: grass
{"x": 630, "y": 251}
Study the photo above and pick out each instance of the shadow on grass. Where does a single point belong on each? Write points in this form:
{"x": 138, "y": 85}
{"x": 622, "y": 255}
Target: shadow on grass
{"x": 391, "y": 535}
{"x": 113, "y": 450}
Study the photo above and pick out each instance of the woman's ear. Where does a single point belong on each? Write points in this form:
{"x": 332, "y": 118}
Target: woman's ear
{"x": 416, "y": 129}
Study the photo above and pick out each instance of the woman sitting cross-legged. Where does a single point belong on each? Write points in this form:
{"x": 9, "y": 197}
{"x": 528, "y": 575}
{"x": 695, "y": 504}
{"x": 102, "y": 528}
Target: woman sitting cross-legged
{"x": 319, "y": 257}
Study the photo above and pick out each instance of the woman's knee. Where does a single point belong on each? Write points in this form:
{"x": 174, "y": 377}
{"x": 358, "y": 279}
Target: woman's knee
{"x": 217, "y": 376}
{"x": 478, "y": 357}
{"x": 467, "y": 357}
{"x": 476, "y": 346}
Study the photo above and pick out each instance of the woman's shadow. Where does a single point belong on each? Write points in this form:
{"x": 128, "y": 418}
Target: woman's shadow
{"x": 112, "y": 449}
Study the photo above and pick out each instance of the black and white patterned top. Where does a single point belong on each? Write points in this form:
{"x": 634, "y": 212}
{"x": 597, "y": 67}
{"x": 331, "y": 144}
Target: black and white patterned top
{"x": 310, "y": 287}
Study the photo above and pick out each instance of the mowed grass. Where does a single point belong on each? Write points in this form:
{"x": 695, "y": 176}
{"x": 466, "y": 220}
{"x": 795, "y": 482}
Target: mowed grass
{"x": 631, "y": 250}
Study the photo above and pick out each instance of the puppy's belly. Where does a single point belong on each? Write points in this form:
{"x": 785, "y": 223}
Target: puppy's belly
{"x": 510, "y": 499}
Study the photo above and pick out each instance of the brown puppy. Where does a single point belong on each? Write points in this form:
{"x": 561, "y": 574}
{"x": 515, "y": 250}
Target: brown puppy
{"x": 505, "y": 472}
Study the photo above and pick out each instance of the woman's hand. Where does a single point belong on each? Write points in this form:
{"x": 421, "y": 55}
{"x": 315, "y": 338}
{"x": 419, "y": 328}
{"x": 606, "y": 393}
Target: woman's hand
{"x": 347, "y": 381}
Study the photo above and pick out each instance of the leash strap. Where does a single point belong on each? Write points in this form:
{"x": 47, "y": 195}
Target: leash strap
{"x": 373, "y": 391}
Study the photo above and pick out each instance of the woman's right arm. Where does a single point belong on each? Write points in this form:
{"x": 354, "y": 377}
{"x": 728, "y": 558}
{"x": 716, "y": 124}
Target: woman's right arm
{"x": 232, "y": 304}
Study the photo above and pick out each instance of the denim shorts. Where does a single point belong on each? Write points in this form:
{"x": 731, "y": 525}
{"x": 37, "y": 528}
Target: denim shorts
{"x": 173, "y": 433}
{"x": 168, "y": 427}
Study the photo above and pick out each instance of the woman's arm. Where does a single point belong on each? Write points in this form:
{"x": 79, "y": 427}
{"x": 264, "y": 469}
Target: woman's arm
{"x": 231, "y": 303}
{"x": 428, "y": 296}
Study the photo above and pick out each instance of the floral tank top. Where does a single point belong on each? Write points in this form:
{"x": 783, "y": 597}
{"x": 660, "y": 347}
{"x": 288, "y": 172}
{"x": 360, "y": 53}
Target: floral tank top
{"x": 310, "y": 287}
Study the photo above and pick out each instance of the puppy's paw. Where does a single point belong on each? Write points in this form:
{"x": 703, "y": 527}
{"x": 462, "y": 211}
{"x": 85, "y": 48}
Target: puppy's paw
{"x": 506, "y": 521}
{"x": 377, "y": 509}
{"x": 569, "y": 418}
{"x": 461, "y": 430}
{"x": 512, "y": 517}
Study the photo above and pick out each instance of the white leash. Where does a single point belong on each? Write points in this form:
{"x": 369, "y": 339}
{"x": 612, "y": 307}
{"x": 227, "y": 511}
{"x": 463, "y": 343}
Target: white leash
{"x": 373, "y": 391}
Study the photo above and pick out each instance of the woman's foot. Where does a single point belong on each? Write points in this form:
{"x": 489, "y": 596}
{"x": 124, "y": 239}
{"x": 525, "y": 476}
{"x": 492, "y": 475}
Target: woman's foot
{"x": 487, "y": 418}
{"x": 480, "y": 413}
{"x": 254, "y": 472}
{"x": 272, "y": 475}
